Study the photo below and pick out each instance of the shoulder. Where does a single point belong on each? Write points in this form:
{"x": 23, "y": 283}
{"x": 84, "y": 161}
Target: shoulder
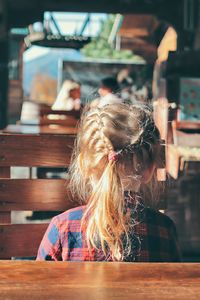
{"x": 109, "y": 99}
{"x": 70, "y": 215}
{"x": 155, "y": 217}
{"x": 112, "y": 98}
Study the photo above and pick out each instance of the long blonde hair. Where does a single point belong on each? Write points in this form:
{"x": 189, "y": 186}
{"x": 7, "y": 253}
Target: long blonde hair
{"x": 129, "y": 132}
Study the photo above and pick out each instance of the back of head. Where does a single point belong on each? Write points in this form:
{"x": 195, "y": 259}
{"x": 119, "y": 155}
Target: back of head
{"x": 116, "y": 145}
{"x": 110, "y": 83}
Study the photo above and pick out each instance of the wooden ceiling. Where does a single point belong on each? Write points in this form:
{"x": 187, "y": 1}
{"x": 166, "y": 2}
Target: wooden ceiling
{"x": 138, "y": 25}
{"x": 137, "y": 34}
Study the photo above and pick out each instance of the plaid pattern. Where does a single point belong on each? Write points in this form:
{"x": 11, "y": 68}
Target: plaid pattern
{"x": 153, "y": 238}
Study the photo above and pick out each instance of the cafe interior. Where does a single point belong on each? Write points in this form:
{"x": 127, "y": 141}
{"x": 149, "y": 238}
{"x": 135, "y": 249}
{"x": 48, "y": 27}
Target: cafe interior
{"x": 152, "y": 47}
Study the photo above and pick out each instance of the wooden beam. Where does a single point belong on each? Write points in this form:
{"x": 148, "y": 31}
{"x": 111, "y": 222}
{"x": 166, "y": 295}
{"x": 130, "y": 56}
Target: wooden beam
{"x": 3, "y": 82}
{"x": 24, "y": 12}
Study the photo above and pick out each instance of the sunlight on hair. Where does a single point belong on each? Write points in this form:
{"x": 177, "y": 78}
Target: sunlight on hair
{"x": 128, "y": 131}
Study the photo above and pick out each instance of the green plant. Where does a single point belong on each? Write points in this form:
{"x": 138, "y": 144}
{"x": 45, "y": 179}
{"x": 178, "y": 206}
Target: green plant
{"x": 100, "y": 48}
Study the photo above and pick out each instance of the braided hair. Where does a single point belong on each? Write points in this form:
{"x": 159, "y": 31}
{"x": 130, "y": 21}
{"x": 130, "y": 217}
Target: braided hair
{"x": 115, "y": 145}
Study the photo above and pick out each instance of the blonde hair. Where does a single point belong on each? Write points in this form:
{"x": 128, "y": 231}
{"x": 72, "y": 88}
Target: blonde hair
{"x": 129, "y": 132}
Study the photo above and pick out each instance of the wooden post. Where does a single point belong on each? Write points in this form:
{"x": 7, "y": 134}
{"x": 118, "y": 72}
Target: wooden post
{"x": 3, "y": 82}
{"x": 3, "y": 64}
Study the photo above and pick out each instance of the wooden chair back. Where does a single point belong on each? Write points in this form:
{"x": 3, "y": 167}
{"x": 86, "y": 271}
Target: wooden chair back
{"x": 68, "y": 121}
{"x": 45, "y": 110}
{"x": 34, "y": 113}
{"x": 47, "y": 150}
{"x": 60, "y": 117}
{"x": 186, "y": 133}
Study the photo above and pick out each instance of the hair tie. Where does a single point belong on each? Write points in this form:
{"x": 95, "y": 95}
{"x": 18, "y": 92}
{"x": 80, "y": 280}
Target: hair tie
{"x": 113, "y": 156}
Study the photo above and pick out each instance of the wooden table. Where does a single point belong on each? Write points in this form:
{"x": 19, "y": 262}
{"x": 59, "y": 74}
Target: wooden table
{"x": 98, "y": 281}
{"x": 37, "y": 129}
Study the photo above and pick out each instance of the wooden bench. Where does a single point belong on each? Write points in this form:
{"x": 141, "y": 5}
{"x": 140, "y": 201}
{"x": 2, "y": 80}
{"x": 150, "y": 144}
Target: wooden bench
{"x": 47, "y": 150}
{"x": 31, "y": 150}
{"x": 45, "y": 111}
{"x": 60, "y": 117}
{"x": 34, "y": 113}
{"x": 185, "y": 150}
{"x": 36, "y": 129}
{"x": 186, "y": 133}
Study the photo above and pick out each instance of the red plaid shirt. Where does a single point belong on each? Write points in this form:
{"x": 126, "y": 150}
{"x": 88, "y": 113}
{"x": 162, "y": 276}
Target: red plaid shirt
{"x": 153, "y": 238}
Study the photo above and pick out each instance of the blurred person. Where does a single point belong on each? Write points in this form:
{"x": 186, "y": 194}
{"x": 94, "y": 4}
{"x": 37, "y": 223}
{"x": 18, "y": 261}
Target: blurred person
{"x": 108, "y": 93}
{"x": 68, "y": 97}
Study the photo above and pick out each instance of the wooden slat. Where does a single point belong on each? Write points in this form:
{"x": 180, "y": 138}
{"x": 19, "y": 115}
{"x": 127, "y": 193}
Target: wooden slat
{"x": 48, "y": 111}
{"x": 35, "y": 194}
{"x": 5, "y": 172}
{"x": 45, "y": 129}
{"x": 67, "y": 121}
{"x": 5, "y": 217}
{"x": 189, "y": 139}
{"x": 20, "y": 240}
{"x": 35, "y": 150}
{"x": 186, "y": 139}
{"x": 192, "y": 125}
